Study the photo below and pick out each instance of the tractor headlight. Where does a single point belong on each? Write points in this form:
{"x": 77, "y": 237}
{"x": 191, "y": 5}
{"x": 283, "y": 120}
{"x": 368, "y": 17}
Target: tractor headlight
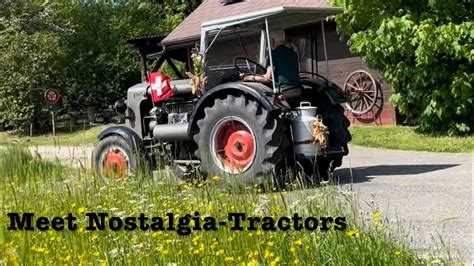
{"x": 120, "y": 106}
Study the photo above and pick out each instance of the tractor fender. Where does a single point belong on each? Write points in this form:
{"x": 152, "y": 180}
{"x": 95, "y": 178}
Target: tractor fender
{"x": 255, "y": 90}
{"x": 128, "y": 134}
{"x": 332, "y": 91}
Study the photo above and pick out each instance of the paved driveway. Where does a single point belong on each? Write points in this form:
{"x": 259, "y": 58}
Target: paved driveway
{"x": 430, "y": 192}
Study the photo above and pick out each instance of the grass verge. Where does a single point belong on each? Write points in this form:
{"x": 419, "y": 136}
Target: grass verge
{"x": 81, "y": 137}
{"x": 30, "y": 185}
{"x": 406, "y": 138}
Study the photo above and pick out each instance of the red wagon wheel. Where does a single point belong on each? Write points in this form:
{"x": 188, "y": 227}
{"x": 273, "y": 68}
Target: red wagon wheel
{"x": 362, "y": 91}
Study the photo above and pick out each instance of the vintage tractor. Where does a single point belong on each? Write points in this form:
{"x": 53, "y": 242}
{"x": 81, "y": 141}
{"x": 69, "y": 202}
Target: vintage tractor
{"x": 244, "y": 131}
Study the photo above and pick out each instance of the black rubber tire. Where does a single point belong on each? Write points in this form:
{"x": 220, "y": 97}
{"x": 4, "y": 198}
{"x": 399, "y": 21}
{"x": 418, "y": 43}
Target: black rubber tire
{"x": 269, "y": 134}
{"x": 105, "y": 145}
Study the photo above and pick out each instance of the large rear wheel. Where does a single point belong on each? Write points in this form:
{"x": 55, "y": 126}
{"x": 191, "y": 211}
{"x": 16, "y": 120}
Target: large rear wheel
{"x": 240, "y": 140}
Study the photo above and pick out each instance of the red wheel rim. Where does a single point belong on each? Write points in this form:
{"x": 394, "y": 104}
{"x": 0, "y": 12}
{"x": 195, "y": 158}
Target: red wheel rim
{"x": 234, "y": 145}
{"x": 115, "y": 164}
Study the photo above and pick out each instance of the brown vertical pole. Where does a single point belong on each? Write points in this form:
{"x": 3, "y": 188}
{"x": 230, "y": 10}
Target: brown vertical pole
{"x": 143, "y": 68}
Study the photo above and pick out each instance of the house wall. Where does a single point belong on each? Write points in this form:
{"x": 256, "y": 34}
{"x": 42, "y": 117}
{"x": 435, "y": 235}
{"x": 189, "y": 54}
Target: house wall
{"x": 308, "y": 41}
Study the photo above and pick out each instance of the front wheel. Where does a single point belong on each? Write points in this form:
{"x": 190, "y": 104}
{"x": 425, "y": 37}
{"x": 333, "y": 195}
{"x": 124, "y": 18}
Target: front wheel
{"x": 240, "y": 140}
{"x": 113, "y": 158}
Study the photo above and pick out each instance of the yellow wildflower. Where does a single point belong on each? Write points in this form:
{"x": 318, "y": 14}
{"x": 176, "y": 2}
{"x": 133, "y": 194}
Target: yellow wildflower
{"x": 253, "y": 262}
{"x": 397, "y": 253}
{"x": 220, "y": 252}
{"x": 275, "y": 261}
{"x": 352, "y": 233}
{"x": 270, "y": 243}
{"x": 377, "y": 224}
{"x": 81, "y": 210}
{"x": 165, "y": 252}
{"x": 229, "y": 259}
{"x": 216, "y": 178}
{"x": 296, "y": 262}
{"x": 267, "y": 254}
{"x": 376, "y": 215}
{"x": 298, "y": 242}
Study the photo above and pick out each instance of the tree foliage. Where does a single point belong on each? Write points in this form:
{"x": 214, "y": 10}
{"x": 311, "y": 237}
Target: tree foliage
{"x": 77, "y": 47}
{"x": 29, "y": 52}
{"x": 425, "y": 50}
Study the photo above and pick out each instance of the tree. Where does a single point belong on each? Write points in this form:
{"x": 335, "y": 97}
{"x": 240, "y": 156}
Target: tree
{"x": 77, "y": 47}
{"x": 425, "y": 50}
{"x": 29, "y": 51}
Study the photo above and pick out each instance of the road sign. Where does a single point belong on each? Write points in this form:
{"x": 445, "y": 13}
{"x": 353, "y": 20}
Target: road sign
{"x": 51, "y": 96}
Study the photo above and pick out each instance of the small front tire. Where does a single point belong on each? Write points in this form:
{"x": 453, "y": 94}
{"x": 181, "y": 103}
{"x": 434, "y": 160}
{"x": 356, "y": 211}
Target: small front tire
{"x": 114, "y": 158}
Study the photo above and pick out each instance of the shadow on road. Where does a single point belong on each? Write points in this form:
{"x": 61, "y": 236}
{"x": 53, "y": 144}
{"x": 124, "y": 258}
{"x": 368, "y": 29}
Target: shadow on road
{"x": 364, "y": 174}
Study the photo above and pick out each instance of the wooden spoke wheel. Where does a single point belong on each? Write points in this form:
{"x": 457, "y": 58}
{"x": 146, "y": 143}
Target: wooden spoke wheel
{"x": 361, "y": 91}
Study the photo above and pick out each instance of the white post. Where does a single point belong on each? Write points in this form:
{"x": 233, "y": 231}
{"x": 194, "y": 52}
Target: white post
{"x": 262, "y": 48}
{"x": 325, "y": 51}
{"x": 52, "y": 119}
{"x": 270, "y": 56}
{"x": 203, "y": 45}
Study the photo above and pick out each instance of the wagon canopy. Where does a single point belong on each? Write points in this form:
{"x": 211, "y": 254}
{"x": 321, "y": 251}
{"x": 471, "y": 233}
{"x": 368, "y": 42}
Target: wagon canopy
{"x": 282, "y": 17}
{"x": 278, "y": 18}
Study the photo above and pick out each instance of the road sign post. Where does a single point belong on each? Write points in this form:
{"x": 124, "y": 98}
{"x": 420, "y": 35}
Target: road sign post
{"x": 52, "y": 99}
{"x": 52, "y": 119}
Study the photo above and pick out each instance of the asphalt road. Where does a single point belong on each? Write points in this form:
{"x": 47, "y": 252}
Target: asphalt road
{"x": 429, "y": 193}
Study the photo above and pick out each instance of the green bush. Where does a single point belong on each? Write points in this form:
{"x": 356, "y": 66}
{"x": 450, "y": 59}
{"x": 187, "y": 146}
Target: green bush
{"x": 425, "y": 50}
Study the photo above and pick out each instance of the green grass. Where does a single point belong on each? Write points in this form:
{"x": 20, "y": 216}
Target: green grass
{"x": 81, "y": 137}
{"x": 46, "y": 189}
{"x": 406, "y": 138}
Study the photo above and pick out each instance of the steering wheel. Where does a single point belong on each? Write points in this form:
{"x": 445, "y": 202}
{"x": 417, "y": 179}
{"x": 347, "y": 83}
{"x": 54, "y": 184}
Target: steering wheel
{"x": 249, "y": 66}
{"x": 252, "y": 68}
{"x": 314, "y": 74}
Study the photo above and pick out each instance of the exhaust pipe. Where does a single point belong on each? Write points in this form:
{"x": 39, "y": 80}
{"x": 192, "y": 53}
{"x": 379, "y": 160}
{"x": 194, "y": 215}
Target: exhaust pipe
{"x": 171, "y": 132}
